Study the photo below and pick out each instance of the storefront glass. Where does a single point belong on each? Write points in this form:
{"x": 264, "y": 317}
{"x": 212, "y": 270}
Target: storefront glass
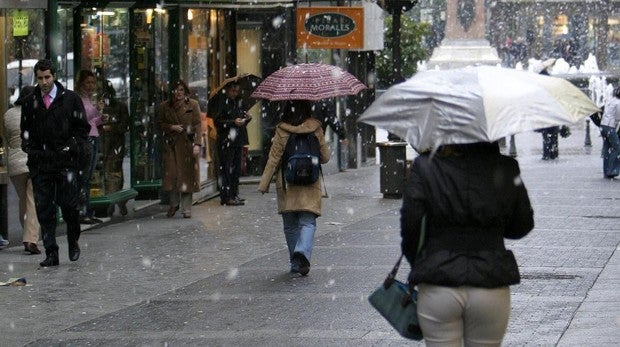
{"x": 23, "y": 43}
{"x": 149, "y": 80}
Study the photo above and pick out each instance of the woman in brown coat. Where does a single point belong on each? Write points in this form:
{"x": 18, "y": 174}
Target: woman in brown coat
{"x": 179, "y": 120}
{"x": 299, "y": 205}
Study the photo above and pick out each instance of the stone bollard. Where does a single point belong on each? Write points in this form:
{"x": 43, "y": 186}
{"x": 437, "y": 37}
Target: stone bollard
{"x": 512, "y": 151}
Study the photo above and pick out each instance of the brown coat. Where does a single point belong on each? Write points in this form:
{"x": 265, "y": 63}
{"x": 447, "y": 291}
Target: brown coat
{"x": 294, "y": 198}
{"x": 180, "y": 164}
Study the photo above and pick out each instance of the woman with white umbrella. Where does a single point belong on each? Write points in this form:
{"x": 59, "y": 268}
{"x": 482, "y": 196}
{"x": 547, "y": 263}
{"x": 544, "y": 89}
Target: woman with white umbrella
{"x": 473, "y": 198}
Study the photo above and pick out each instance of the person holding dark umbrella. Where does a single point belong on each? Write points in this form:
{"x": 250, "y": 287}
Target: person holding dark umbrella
{"x": 231, "y": 122}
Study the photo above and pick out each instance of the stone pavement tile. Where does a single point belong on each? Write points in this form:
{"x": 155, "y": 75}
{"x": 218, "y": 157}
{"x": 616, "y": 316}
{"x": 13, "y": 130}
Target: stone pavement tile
{"x": 360, "y": 237}
{"x": 606, "y": 336}
{"x": 538, "y": 322}
{"x": 595, "y": 237}
{"x": 561, "y": 256}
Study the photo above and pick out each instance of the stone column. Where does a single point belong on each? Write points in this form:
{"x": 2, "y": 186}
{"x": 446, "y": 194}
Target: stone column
{"x": 464, "y": 42}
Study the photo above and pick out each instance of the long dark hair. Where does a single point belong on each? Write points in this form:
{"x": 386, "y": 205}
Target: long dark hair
{"x": 296, "y": 111}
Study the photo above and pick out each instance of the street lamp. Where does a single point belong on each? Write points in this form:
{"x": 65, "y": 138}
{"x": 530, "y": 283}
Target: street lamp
{"x": 396, "y": 8}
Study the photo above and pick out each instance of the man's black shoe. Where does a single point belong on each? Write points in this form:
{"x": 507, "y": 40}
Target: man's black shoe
{"x": 51, "y": 259}
{"x": 74, "y": 251}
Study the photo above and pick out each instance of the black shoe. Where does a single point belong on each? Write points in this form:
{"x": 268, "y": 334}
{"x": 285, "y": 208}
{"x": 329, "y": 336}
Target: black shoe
{"x": 239, "y": 199}
{"x": 304, "y": 264}
{"x": 233, "y": 202}
{"x": 74, "y": 251}
{"x": 51, "y": 259}
{"x": 31, "y": 248}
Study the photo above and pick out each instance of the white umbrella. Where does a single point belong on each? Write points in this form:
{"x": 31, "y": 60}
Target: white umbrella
{"x": 475, "y": 104}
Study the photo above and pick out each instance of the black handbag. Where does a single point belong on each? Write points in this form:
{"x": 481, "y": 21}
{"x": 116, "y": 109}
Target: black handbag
{"x": 596, "y": 117}
{"x": 397, "y": 303}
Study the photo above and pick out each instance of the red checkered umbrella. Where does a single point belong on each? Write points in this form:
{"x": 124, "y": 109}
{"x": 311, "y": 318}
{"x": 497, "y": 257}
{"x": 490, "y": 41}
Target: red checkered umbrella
{"x": 308, "y": 82}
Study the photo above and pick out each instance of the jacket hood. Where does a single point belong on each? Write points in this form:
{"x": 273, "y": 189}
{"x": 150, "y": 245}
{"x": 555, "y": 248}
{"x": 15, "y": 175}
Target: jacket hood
{"x": 310, "y": 125}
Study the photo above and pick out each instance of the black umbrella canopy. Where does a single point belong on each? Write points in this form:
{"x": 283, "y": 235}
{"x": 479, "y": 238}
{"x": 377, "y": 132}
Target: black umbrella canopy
{"x": 247, "y": 83}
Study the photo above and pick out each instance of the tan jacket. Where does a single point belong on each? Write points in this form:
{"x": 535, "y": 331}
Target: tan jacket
{"x": 179, "y": 161}
{"x": 295, "y": 198}
{"x": 16, "y": 159}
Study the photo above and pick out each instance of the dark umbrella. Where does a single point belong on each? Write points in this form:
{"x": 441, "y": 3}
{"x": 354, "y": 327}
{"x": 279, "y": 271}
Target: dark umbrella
{"x": 247, "y": 83}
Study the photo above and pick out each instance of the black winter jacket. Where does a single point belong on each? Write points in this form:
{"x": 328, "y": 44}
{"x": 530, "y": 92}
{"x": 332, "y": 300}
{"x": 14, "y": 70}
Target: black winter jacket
{"x": 55, "y": 138}
{"x": 473, "y": 198}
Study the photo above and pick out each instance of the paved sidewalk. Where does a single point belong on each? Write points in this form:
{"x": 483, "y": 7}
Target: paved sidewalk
{"x": 221, "y": 278}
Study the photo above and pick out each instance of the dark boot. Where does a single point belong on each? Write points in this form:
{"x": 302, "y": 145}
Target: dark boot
{"x": 74, "y": 251}
{"x": 51, "y": 259}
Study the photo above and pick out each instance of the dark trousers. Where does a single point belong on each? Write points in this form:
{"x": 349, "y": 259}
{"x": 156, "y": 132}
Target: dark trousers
{"x": 52, "y": 190}
{"x": 550, "y": 142}
{"x": 611, "y": 151}
{"x": 230, "y": 170}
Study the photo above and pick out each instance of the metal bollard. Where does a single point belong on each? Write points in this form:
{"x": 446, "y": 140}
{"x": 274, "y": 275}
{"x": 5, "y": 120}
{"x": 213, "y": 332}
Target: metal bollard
{"x": 588, "y": 141}
{"x": 512, "y": 151}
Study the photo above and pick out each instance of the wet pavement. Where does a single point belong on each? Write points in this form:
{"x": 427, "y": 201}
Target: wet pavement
{"x": 221, "y": 278}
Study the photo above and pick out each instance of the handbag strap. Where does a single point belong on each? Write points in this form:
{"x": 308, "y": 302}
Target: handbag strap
{"x": 392, "y": 275}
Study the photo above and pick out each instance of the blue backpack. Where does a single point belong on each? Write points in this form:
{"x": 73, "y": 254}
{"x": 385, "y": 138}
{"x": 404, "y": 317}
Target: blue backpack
{"x": 301, "y": 160}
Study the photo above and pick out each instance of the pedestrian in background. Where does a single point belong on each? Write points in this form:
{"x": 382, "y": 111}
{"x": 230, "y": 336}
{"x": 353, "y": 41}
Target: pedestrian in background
{"x": 18, "y": 172}
{"x": 325, "y": 111}
{"x": 85, "y": 86}
{"x": 610, "y": 122}
{"x": 113, "y": 133}
{"x": 550, "y": 150}
{"x": 472, "y": 198}
{"x": 231, "y": 124}
{"x": 299, "y": 205}
{"x": 54, "y": 132}
{"x": 179, "y": 120}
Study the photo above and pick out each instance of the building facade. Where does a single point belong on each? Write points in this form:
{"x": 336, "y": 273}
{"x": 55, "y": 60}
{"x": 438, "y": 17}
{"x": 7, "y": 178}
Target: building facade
{"x": 142, "y": 47}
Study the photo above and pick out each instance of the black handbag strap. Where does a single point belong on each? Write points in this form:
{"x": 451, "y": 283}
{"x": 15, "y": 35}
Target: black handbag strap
{"x": 392, "y": 275}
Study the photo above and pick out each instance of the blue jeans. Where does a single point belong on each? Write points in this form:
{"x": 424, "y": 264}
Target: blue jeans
{"x": 299, "y": 228}
{"x": 611, "y": 151}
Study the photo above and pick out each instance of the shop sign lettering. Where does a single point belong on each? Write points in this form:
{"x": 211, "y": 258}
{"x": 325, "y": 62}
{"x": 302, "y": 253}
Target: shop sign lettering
{"x": 330, "y": 25}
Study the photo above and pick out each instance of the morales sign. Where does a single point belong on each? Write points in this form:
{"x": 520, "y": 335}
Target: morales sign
{"x": 330, "y": 27}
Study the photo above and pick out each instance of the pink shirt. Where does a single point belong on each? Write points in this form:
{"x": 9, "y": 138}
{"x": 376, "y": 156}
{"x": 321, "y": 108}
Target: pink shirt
{"x": 92, "y": 115}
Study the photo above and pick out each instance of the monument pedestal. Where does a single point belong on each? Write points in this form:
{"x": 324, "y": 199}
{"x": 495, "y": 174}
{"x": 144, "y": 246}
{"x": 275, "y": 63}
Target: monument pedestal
{"x": 452, "y": 54}
{"x": 465, "y": 43}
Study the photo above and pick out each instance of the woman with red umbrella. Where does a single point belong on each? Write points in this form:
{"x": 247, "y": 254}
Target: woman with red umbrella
{"x": 299, "y": 205}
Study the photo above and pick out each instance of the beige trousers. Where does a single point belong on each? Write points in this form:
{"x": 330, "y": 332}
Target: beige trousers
{"x": 463, "y": 316}
{"x": 27, "y": 211}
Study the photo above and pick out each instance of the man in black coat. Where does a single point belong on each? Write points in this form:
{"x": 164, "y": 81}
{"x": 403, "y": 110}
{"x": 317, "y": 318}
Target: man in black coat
{"x": 54, "y": 134}
{"x": 232, "y": 136}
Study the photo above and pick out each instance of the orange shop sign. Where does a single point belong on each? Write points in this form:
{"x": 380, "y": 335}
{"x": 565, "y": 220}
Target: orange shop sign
{"x": 330, "y": 27}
